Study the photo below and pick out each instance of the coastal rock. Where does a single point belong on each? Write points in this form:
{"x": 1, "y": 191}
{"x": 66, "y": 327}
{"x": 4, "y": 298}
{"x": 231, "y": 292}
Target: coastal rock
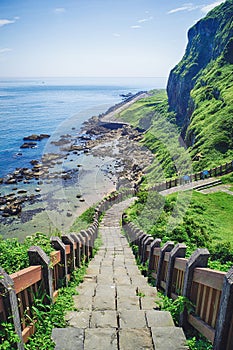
{"x": 35, "y": 137}
{"x": 12, "y": 209}
{"x": 28, "y": 145}
{"x": 11, "y": 181}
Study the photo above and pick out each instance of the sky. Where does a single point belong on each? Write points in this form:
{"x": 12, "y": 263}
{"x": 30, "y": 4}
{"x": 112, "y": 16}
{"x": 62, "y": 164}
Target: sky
{"x": 95, "y": 38}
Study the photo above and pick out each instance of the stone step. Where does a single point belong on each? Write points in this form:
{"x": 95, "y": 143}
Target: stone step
{"x": 171, "y": 338}
{"x": 125, "y": 318}
{"x": 111, "y": 338}
{"x": 116, "y": 308}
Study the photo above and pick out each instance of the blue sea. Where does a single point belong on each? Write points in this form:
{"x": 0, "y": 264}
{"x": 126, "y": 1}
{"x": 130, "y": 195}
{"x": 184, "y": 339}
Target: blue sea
{"x": 57, "y": 107}
{"x": 45, "y": 106}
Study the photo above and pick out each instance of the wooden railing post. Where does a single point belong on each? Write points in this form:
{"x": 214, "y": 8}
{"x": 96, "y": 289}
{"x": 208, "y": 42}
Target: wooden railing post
{"x": 68, "y": 240}
{"x": 178, "y": 251}
{"x": 38, "y": 257}
{"x": 90, "y": 232}
{"x": 166, "y": 248}
{"x": 85, "y": 236}
{"x": 78, "y": 250}
{"x": 224, "y": 327}
{"x": 155, "y": 244}
{"x": 147, "y": 241}
{"x": 11, "y": 304}
{"x": 57, "y": 244}
{"x": 198, "y": 259}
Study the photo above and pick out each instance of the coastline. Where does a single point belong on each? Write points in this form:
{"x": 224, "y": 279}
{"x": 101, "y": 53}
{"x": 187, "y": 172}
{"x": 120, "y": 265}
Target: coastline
{"x": 79, "y": 175}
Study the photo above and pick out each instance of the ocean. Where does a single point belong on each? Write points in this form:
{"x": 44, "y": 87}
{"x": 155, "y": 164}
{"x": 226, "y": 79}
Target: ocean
{"x": 42, "y": 106}
{"x": 56, "y": 107}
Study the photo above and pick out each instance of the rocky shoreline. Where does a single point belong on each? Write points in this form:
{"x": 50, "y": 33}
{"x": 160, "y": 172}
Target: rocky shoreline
{"x": 99, "y": 137}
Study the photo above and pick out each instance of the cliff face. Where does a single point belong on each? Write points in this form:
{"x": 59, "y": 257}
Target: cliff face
{"x": 207, "y": 40}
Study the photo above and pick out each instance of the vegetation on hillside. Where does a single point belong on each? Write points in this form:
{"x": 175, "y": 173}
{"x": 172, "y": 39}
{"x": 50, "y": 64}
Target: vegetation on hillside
{"x": 206, "y": 222}
{"x": 210, "y": 133}
{"x": 199, "y": 103}
{"x": 160, "y": 135}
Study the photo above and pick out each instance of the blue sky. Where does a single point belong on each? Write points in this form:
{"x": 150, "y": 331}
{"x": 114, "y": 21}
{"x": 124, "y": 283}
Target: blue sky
{"x": 41, "y": 38}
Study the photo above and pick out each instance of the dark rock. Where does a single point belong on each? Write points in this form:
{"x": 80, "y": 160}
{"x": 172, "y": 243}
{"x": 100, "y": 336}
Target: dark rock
{"x": 35, "y": 137}
{"x": 12, "y": 209}
{"x": 28, "y": 145}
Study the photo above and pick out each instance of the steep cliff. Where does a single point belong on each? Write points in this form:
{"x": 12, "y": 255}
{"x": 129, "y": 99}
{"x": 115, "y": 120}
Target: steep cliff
{"x": 207, "y": 40}
{"x": 200, "y": 103}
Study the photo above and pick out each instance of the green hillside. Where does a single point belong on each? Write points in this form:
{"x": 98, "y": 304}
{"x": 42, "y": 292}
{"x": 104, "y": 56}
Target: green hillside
{"x": 198, "y": 107}
{"x": 210, "y": 132}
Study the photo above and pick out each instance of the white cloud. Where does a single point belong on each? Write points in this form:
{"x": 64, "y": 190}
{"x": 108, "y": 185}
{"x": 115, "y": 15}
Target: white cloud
{"x": 117, "y": 35}
{"x": 136, "y": 27}
{"x": 206, "y": 8}
{"x": 60, "y": 10}
{"x": 6, "y": 49}
{"x": 143, "y": 20}
{"x": 191, "y": 7}
{"x": 4, "y": 22}
{"x": 186, "y": 7}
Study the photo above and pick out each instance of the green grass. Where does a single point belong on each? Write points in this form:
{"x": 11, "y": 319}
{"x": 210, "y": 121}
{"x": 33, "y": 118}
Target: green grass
{"x": 84, "y": 220}
{"x": 211, "y": 121}
{"x": 207, "y": 221}
{"x": 217, "y": 214}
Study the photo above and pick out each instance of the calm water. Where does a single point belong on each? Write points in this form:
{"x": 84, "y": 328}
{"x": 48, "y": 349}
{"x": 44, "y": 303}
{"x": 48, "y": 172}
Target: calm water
{"x": 55, "y": 107}
{"x": 37, "y": 106}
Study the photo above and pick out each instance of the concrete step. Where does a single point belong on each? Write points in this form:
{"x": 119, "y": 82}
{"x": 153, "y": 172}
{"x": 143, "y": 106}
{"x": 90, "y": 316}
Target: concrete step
{"x": 68, "y": 338}
{"x": 126, "y": 338}
{"x": 116, "y": 308}
{"x": 171, "y": 338}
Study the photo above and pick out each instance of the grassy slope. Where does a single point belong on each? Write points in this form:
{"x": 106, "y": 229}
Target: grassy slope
{"x": 217, "y": 214}
{"x": 161, "y": 136}
{"x": 211, "y": 122}
{"x": 207, "y": 222}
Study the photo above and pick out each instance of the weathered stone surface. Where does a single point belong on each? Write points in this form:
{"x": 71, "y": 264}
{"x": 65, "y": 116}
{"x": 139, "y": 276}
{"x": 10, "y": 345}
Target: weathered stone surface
{"x": 125, "y": 280}
{"x": 93, "y": 270}
{"x": 104, "y": 319}
{"x": 116, "y": 306}
{"x": 147, "y": 291}
{"x": 136, "y": 339}
{"x": 105, "y": 298}
{"x": 159, "y": 318}
{"x": 132, "y": 319}
{"x": 171, "y": 338}
{"x": 68, "y": 338}
{"x": 97, "y": 338}
{"x": 79, "y": 319}
{"x": 87, "y": 288}
{"x": 83, "y": 302}
{"x": 148, "y": 303}
{"x": 90, "y": 278}
{"x": 138, "y": 280}
{"x": 128, "y": 303}
{"x": 126, "y": 290}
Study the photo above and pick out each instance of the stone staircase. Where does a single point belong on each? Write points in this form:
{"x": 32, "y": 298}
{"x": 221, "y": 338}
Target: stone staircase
{"x": 116, "y": 308}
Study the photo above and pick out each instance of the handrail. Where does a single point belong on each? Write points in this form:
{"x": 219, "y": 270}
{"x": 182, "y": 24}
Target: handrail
{"x": 48, "y": 274}
{"x": 200, "y": 175}
{"x": 210, "y": 291}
